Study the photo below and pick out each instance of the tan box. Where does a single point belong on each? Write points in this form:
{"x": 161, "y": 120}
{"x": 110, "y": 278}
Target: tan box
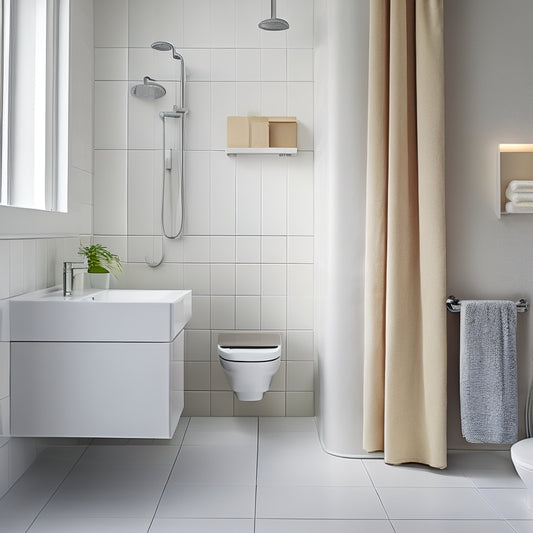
{"x": 283, "y": 132}
{"x": 259, "y": 132}
{"x": 238, "y": 132}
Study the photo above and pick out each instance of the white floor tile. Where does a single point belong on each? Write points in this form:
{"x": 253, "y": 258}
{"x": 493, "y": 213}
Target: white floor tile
{"x": 221, "y": 431}
{"x": 318, "y": 503}
{"x": 198, "y": 525}
{"x": 323, "y": 526}
{"x": 435, "y": 504}
{"x": 83, "y": 524}
{"x": 207, "y": 501}
{"x": 486, "y": 469}
{"x": 412, "y": 475}
{"x": 299, "y": 464}
{"x": 451, "y": 526}
{"x": 516, "y": 504}
{"x": 291, "y": 424}
{"x": 522, "y": 526}
{"x": 216, "y": 465}
{"x": 25, "y": 499}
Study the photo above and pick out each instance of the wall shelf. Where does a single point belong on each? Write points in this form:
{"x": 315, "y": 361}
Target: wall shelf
{"x": 515, "y": 163}
{"x": 275, "y": 151}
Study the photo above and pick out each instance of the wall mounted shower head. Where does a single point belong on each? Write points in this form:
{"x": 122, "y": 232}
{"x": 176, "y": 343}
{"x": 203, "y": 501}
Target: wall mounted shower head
{"x": 148, "y": 89}
{"x": 273, "y": 23}
{"x": 165, "y": 46}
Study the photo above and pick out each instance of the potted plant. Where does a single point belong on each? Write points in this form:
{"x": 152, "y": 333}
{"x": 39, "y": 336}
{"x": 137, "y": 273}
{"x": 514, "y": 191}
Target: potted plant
{"x": 100, "y": 264}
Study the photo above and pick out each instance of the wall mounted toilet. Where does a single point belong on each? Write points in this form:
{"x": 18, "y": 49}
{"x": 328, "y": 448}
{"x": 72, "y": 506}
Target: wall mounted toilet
{"x": 249, "y": 361}
{"x": 522, "y": 457}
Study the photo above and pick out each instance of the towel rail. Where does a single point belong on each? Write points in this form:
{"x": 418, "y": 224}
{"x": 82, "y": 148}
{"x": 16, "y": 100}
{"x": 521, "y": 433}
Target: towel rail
{"x": 453, "y": 305}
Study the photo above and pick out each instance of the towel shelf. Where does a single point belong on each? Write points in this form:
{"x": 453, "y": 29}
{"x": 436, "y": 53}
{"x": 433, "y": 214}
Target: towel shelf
{"x": 453, "y": 305}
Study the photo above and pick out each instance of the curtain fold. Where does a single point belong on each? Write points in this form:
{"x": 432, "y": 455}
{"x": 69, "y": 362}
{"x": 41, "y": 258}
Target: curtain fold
{"x": 405, "y": 322}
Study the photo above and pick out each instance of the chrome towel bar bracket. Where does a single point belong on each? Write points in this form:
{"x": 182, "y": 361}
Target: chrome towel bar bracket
{"x": 453, "y": 305}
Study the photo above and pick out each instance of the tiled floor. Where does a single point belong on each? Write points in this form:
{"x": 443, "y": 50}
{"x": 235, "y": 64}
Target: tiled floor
{"x": 266, "y": 475}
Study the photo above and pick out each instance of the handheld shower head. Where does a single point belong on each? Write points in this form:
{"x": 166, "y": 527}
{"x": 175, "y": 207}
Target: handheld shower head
{"x": 165, "y": 46}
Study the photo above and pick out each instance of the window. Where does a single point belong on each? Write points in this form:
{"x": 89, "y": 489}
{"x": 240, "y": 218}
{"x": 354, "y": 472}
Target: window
{"x": 34, "y": 104}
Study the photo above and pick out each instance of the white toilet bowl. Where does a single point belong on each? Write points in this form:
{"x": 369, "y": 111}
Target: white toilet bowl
{"x": 249, "y": 361}
{"x": 522, "y": 457}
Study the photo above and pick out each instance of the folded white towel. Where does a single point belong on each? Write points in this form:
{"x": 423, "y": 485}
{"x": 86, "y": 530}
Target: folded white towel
{"x": 519, "y": 197}
{"x": 522, "y": 207}
{"x": 520, "y": 186}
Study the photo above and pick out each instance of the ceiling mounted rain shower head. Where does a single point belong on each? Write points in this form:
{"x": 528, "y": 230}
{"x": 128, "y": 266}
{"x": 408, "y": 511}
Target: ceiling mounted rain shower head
{"x": 148, "y": 89}
{"x": 273, "y": 23}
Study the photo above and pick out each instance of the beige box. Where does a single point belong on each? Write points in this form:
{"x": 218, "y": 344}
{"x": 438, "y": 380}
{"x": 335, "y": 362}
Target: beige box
{"x": 282, "y": 132}
{"x": 259, "y": 132}
{"x": 238, "y": 132}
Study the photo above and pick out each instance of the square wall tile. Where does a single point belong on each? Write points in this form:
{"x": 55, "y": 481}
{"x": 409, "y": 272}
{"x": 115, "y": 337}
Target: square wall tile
{"x": 300, "y": 376}
{"x": 222, "y": 249}
{"x": 197, "y": 403}
{"x": 300, "y": 103}
{"x": 247, "y": 312}
{"x": 219, "y": 380}
{"x": 157, "y": 65}
{"x": 223, "y": 312}
{"x": 248, "y": 65}
{"x": 300, "y": 250}
{"x": 196, "y": 277}
{"x": 110, "y": 64}
{"x": 300, "y": 404}
{"x": 196, "y": 249}
{"x": 222, "y": 403}
{"x": 273, "y": 249}
{"x": 145, "y": 249}
{"x": 197, "y": 376}
{"x": 173, "y": 249}
{"x": 273, "y": 97}
{"x": 111, "y": 23}
{"x": 248, "y": 249}
{"x": 248, "y": 280}
{"x": 279, "y": 378}
{"x": 300, "y": 15}
{"x": 197, "y": 345}
{"x": 300, "y": 312}
{"x": 116, "y": 244}
{"x": 148, "y": 24}
{"x": 300, "y": 281}
{"x": 300, "y": 345}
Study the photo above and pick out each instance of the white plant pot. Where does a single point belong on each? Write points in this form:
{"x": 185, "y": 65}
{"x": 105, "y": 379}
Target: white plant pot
{"x": 99, "y": 280}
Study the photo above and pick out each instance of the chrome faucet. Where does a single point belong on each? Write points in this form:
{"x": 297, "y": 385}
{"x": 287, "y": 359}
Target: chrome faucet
{"x": 68, "y": 275}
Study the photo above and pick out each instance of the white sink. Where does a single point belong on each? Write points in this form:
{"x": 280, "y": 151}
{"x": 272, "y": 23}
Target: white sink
{"x": 100, "y": 315}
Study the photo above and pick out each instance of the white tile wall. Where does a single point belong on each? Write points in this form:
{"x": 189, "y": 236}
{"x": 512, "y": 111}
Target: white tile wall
{"x": 247, "y": 249}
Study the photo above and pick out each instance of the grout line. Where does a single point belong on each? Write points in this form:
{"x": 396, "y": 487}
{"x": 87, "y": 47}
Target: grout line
{"x": 169, "y": 474}
{"x": 59, "y": 486}
{"x": 377, "y": 493}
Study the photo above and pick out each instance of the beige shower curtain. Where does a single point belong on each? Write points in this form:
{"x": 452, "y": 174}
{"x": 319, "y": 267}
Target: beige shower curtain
{"x": 405, "y": 322}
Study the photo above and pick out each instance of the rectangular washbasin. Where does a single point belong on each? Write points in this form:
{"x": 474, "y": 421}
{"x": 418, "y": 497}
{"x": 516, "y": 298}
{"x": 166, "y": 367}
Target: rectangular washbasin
{"x": 100, "y": 315}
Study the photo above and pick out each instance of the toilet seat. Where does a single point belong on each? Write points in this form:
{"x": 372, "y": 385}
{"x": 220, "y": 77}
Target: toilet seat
{"x": 522, "y": 453}
{"x": 245, "y": 355}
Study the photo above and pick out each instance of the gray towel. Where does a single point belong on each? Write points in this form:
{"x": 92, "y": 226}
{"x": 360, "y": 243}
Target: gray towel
{"x": 488, "y": 377}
